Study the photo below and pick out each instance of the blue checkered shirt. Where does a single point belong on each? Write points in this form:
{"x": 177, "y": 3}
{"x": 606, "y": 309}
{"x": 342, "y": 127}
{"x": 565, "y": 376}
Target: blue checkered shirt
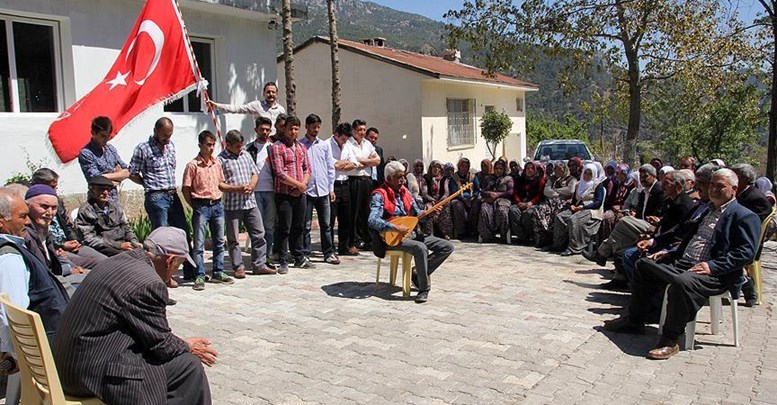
{"x": 96, "y": 160}
{"x": 238, "y": 169}
{"x": 156, "y": 166}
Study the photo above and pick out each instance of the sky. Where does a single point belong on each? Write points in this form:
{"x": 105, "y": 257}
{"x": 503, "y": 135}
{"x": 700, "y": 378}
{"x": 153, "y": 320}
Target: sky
{"x": 434, "y": 9}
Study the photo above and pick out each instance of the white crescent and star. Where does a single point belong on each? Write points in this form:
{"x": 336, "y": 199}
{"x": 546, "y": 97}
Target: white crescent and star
{"x": 158, "y": 37}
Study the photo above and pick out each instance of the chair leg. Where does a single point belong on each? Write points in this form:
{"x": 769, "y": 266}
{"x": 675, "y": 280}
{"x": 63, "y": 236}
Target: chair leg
{"x": 394, "y": 265}
{"x": 663, "y": 311}
{"x": 377, "y": 276}
{"x": 755, "y": 273}
{"x": 407, "y": 271}
{"x": 690, "y": 334}
{"x": 735, "y": 321}
{"x": 716, "y": 307}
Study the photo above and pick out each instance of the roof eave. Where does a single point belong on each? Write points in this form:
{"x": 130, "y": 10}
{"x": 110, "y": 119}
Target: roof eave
{"x": 489, "y": 83}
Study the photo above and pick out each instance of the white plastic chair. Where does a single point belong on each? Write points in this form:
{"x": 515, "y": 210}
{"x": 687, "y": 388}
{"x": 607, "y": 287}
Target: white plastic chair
{"x": 716, "y": 310}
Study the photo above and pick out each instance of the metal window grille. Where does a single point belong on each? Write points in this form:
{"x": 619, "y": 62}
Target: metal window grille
{"x": 461, "y": 122}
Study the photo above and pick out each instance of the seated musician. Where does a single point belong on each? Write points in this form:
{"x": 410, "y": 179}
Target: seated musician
{"x": 390, "y": 200}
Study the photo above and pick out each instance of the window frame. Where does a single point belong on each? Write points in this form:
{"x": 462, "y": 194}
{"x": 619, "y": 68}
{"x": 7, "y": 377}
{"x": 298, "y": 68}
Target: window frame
{"x": 471, "y": 103}
{"x": 211, "y": 83}
{"x": 59, "y": 87}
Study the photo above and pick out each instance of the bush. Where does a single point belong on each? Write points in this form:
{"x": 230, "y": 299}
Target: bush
{"x": 141, "y": 226}
{"x": 495, "y": 127}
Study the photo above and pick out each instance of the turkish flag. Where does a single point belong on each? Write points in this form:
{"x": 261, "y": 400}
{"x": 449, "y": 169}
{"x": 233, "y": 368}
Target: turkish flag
{"x": 154, "y": 65}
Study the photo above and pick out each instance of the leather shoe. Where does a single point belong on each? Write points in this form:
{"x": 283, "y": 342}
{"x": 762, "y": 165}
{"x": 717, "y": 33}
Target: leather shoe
{"x": 240, "y": 273}
{"x": 264, "y": 270}
{"x": 624, "y": 325}
{"x": 665, "y": 348}
{"x": 615, "y": 285}
{"x": 171, "y": 283}
{"x": 595, "y": 257}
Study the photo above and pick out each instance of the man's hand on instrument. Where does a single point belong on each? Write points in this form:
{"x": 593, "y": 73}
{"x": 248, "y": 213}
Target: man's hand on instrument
{"x": 401, "y": 228}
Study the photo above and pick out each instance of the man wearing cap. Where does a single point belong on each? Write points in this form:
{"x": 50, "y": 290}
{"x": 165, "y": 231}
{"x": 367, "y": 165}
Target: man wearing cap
{"x": 103, "y": 223}
{"x": 115, "y": 343}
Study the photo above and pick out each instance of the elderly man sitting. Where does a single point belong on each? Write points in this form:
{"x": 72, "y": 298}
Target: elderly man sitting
{"x": 114, "y": 341}
{"x": 708, "y": 262}
{"x": 392, "y": 199}
{"x": 102, "y": 222}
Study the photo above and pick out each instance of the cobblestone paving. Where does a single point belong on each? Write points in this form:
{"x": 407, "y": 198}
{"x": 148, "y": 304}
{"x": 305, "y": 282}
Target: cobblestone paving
{"x": 504, "y": 324}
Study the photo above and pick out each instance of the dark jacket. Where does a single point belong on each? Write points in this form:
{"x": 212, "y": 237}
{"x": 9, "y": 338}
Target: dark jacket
{"x": 63, "y": 218}
{"x": 755, "y": 200}
{"x": 114, "y": 336}
{"x": 733, "y": 244}
{"x": 104, "y": 229}
{"x": 656, "y": 203}
{"x": 685, "y": 229}
{"x": 47, "y": 296}
{"x": 676, "y": 211}
{"x": 41, "y": 246}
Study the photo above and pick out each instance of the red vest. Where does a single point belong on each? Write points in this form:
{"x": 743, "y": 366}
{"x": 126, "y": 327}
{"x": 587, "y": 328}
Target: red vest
{"x": 389, "y": 199}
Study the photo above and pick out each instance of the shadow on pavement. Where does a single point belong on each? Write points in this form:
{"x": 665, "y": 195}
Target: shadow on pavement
{"x": 599, "y": 270}
{"x": 633, "y": 345}
{"x": 362, "y": 290}
{"x": 584, "y": 285}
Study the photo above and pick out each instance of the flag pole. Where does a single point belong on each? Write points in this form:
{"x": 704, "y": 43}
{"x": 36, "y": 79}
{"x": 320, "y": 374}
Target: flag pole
{"x": 198, "y": 74}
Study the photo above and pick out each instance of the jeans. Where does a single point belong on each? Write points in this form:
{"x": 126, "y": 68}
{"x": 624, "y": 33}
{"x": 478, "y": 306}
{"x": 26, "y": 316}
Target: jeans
{"x": 291, "y": 218}
{"x": 322, "y": 206}
{"x": 165, "y": 209}
{"x": 266, "y": 202}
{"x": 211, "y": 216}
{"x": 341, "y": 211}
{"x": 429, "y": 253}
{"x": 253, "y": 222}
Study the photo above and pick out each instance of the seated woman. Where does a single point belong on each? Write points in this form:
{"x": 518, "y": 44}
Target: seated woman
{"x": 432, "y": 191}
{"x": 558, "y": 193}
{"x": 413, "y": 178}
{"x": 495, "y": 208}
{"x": 615, "y": 211}
{"x": 575, "y": 226}
{"x": 464, "y": 205}
{"x": 575, "y": 166}
{"x": 528, "y": 193}
{"x": 485, "y": 178}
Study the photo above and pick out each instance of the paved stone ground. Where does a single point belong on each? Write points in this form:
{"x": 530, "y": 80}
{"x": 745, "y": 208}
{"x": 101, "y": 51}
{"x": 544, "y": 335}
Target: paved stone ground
{"x": 504, "y": 324}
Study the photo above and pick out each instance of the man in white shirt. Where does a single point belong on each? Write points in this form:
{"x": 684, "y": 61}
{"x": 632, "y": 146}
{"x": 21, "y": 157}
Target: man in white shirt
{"x": 264, "y": 192}
{"x": 360, "y": 184}
{"x": 345, "y": 160}
{"x": 268, "y": 107}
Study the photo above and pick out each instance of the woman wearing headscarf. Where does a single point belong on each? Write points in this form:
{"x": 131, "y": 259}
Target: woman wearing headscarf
{"x": 515, "y": 170}
{"x": 615, "y": 211}
{"x": 766, "y": 186}
{"x": 495, "y": 208}
{"x": 431, "y": 190}
{"x": 463, "y": 206}
{"x": 574, "y": 227}
{"x": 527, "y": 194}
{"x": 632, "y": 200}
{"x": 558, "y": 192}
{"x": 414, "y": 180}
{"x": 485, "y": 178}
{"x": 575, "y": 166}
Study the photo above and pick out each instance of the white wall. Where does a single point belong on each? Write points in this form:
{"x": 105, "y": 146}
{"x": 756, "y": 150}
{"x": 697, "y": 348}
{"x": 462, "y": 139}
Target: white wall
{"x": 97, "y": 29}
{"x": 386, "y": 96}
{"x": 435, "y": 120}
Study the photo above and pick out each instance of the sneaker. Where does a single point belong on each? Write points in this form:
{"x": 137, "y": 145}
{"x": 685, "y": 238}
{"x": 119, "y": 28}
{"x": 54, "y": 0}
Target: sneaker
{"x": 199, "y": 283}
{"x": 284, "y": 269}
{"x": 305, "y": 264}
{"x": 270, "y": 266}
{"x": 332, "y": 259}
{"x": 422, "y": 297}
{"x": 223, "y": 278}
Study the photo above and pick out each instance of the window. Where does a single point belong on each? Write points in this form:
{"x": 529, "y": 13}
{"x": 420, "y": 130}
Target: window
{"x": 29, "y": 65}
{"x": 203, "y": 52}
{"x": 461, "y": 122}
{"x": 519, "y": 104}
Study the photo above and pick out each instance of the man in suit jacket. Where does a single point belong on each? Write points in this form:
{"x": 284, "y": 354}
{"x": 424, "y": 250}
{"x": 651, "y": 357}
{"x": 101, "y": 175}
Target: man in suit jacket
{"x": 114, "y": 341}
{"x": 706, "y": 264}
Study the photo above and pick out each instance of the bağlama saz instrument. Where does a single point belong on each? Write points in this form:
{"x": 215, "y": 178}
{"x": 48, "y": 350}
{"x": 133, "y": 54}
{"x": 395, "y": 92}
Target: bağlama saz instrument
{"x": 394, "y": 238}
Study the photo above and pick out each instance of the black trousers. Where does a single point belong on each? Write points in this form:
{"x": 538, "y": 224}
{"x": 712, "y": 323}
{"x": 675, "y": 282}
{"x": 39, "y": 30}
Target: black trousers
{"x": 290, "y": 212}
{"x": 687, "y": 293}
{"x": 187, "y": 383}
{"x": 360, "y": 208}
{"x": 341, "y": 211}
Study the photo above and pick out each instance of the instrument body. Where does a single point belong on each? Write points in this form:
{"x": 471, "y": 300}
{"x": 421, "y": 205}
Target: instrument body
{"x": 394, "y": 238}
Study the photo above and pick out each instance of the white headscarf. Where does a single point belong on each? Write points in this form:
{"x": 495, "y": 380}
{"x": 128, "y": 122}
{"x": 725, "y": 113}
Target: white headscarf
{"x": 600, "y": 175}
{"x": 635, "y": 175}
{"x": 666, "y": 169}
{"x": 584, "y": 186}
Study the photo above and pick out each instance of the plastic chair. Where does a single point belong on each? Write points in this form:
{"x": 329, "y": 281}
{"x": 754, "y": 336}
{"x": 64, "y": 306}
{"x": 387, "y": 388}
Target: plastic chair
{"x": 40, "y": 381}
{"x": 754, "y": 270}
{"x": 407, "y": 269}
{"x": 716, "y": 310}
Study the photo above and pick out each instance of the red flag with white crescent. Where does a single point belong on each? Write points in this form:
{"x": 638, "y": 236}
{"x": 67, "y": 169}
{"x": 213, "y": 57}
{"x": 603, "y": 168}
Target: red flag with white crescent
{"x": 154, "y": 65}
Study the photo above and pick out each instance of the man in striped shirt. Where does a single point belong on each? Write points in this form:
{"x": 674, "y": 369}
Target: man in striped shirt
{"x": 291, "y": 169}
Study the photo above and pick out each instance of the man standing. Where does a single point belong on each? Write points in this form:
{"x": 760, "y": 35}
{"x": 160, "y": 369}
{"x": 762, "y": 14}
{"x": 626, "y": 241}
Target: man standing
{"x": 240, "y": 177}
{"x": 153, "y": 166}
{"x": 360, "y": 183}
{"x": 708, "y": 263}
{"x": 264, "y": 193}
{"x": 392, "y": 199}
{"x": 115, "y": 342}
{"x": 345, "y": 160}
{"x": 99, "y": 158}
{"x": 201, "y": 180}
{"x": 267, "y": 108}
{"x": 320, "y": 190}
{"x": 102, "y": 222}
{"x": 291, "y": 170}
{"x": 377, "y": 171}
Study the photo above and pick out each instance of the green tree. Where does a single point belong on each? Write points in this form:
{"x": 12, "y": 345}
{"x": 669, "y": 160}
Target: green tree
{"x": 641, "y": 41}
{"x": 540, "y": 127}
{"x": 495, "y": 127}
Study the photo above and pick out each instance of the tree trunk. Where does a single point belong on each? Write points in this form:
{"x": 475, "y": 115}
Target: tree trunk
{"x": 635, "y": 112}
{"x": 771, "y": 155}
{"x": 336, "y": 109}
{"x": 288, "y": 60}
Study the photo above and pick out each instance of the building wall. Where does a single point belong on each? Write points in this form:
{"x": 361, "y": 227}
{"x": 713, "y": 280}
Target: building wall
{"x": 92, "y": 33}
{"x": 435, "y": 121}
{"x": 386, "y": 96}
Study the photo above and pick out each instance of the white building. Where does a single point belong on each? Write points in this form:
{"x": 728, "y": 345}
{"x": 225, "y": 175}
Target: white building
{"x": 424, "y": 106}
{"x": 52, "y": 52}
